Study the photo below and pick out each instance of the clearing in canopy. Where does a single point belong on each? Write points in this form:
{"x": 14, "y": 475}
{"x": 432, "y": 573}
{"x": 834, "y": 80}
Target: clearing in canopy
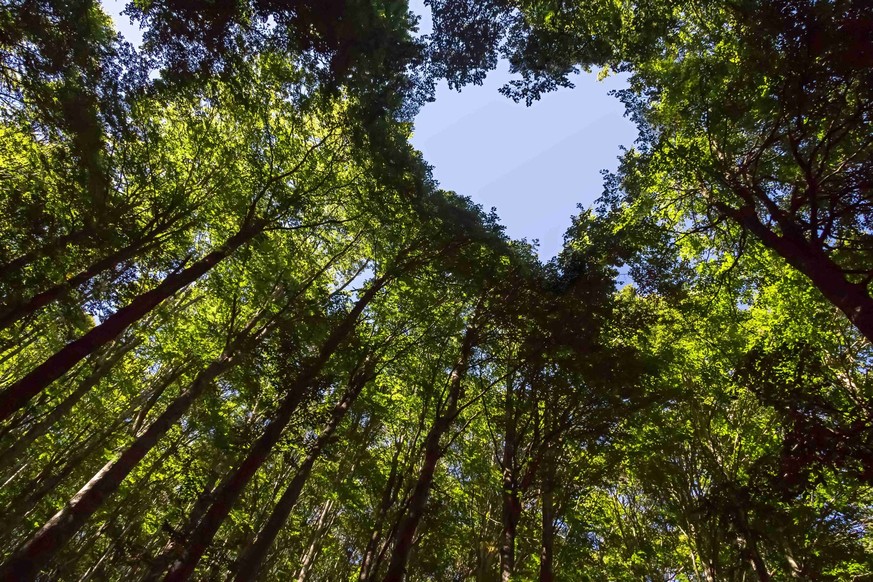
{"x": 244, "y": 335}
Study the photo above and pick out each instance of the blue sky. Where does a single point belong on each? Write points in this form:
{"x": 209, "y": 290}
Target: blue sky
{"x": 534, "y": 164}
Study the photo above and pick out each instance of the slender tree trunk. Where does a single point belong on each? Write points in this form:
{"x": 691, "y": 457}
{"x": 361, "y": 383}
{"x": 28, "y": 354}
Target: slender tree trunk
{"x": 405, "y": 533}
{"x": 547, "y": 549}
{"x": 509, "y": 494}
{"x": 19, "y": 394}
{"x": 163, "y": 560}
{"x": 757, "y": 562}
{"x": 403, "y": 538}
{"x": 746, "y": 537}
{"x": 750, "y": 551}
{"x": 29, "y": 497}
{"x": 389, "y": 495}
{"x": 109, "y": 548}
{"x": 327, "y": 516}
{"x": 47, "y": 251}
{"x": 325, "y": 519}
{"x": 18, "y": 311}
{"x": 132, "y": 507}
{"x": 158, "y": 391}
{"x": 251, "y": 559}
{"x": 511, "y": 516}
{"x": 38, "y": 551}
{"x": 233, "y": 486}
{"x": 102, "y": 368}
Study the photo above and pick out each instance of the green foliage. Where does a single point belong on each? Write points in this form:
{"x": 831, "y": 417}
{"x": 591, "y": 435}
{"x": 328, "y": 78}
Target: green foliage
{"x": 313, "y": 311}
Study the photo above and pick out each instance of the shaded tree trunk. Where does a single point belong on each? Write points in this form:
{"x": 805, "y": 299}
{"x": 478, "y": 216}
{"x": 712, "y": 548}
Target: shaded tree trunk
{"x": 433, "y": 452}
{"x": 252, "y": 558}
{"x": 19, "y": 394}
{"x": 234, "y": 484}
{"x": 547, "y": 546}
{"x": 38, "y": 551}
{"x": 327, "y": 515}
{"x": 389, "y": 495}
{"x": 325, "y": 520}
{"x": 511, "y": 516}
{"x": 18, "y": 311}
{"x": 163, "y": 560}
{"x": 92, "y": 571}
{"x": 509, "y": 493}
{"x": 749, "y": 541}
{"x": 853, "y": 299}
{"x": 103, "y": 367}
{"x": 46, "y": 251}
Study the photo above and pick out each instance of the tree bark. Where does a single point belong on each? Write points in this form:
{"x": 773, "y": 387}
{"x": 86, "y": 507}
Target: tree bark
{"x": 547, "y": 546}
{"x": 327, "y": 516}
{"x": 389, "y": 494}
{"x": 165, "y": 557}
{"x": 48, "y": 250}
{"x": 21, "y": 506}
{"x": 403, "y": 538}
{"x": 19, "y": 394}
{"x": 509, "y": 494}
{"x": 102, "y": 368}
{"x": 163, "y": 383}
{"x": 234, "y": 484}
{"x": 38, "y": 551}
{"x": 511, "y": 516}
{"x": 18, "y": 311}
{"x": 325, "y": 519}
{"x": 749, "y": 541}
{"x": 853, "y": 299}
{"x": 251, "y": 559}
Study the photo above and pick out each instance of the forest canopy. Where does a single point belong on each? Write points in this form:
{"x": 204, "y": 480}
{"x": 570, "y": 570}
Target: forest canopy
{"x": 245, "y": 335}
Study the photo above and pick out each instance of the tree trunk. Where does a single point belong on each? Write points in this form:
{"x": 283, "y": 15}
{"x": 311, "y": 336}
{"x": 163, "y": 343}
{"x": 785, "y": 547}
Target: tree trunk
{"x": 746, "y": 537}
{"x": 38, "y": 551}
{"x": 165, "y": 557}
{"x": 547, "y": 547}
{"x": 389, "y": 494}
{"x": 509, "y": 494}
{"x": 162, "y": 384}
{"x": 511, "y": 516}
{"x": 102, "y": 368}
{"x": 405, "y": 534}
{"x": 325, "y": 519}
{"x": 853, "y": 299}
{"x": 18, "y": 311}
{"x": 757, "y": 562}
{"x": 21, "y": 506}
{"x": 327, "y": 516}
{"x": 92, "y": 571}
{"x": 19, "y": 394}
{"x": 252, "y": 558}
{"x": 234, "y": 484}
{"x": 48, "y": 250}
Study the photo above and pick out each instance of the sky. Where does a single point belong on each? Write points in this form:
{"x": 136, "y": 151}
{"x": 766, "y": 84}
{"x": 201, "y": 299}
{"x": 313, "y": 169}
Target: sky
{"x": 534, "y": 164}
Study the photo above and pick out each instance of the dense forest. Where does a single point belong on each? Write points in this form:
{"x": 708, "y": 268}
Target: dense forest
{"x": 245, "y": 335}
